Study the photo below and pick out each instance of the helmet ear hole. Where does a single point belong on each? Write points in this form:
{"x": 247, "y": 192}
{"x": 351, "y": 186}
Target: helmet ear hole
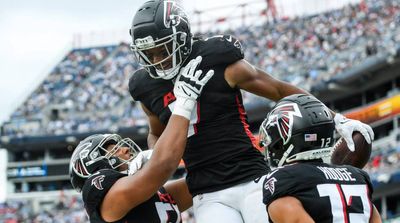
{"x": 183, "y": 37}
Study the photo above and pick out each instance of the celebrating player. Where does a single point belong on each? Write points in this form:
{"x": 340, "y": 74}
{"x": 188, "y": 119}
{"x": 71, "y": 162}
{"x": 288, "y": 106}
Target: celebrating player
{"x": 221, "y": 157}
{"x": 99, "y": 164}
{"x": 297, "y": 134}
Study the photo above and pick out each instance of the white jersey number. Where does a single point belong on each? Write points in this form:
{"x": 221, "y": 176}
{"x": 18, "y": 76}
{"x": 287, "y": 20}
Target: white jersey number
{"x": 162, "y": 210}
{"x": 341, "y": 197}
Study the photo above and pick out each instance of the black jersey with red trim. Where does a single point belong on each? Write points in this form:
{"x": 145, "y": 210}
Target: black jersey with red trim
{"x": 221, "y": 151}
{"x": 160, "y": 208}
{"x": 328, "y": 193}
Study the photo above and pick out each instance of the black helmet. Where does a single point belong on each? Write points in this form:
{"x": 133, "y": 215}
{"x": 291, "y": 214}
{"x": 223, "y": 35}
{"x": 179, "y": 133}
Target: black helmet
{"x": 91, "y": 155}
{"x": 164, "y": 25}
{"x": 299, "y": 127}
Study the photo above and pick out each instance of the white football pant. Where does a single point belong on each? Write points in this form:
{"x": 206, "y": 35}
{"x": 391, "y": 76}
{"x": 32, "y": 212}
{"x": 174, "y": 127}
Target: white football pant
{"x": 241, "y": 203}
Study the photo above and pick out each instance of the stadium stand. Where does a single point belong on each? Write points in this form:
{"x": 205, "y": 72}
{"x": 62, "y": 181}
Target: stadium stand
{"x": 303, "y": 50}
{"x": 349, "y": 58}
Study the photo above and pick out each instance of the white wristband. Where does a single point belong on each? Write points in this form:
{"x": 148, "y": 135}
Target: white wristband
{"x": 184, "y": 107}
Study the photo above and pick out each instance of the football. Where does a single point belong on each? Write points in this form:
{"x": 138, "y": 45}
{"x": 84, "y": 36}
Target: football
{"x": 341, "y": 155}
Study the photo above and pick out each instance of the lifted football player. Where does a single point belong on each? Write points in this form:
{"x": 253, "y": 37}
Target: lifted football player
{"x": 297, "y": 134}
{"x": 222, "y": 160}
{"x": 99, "y": 164}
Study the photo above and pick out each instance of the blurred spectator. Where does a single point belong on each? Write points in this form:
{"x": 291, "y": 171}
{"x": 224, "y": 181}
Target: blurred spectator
{"x": 67, "y": 210}
{"x": 371, "y": 48}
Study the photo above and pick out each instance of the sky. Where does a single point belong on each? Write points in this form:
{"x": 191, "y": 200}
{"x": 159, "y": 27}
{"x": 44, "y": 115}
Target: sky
{"x": 36, "y": 34}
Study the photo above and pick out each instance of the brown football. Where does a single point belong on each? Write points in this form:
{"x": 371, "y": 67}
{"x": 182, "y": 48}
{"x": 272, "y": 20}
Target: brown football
{"x": 341, "y": 155}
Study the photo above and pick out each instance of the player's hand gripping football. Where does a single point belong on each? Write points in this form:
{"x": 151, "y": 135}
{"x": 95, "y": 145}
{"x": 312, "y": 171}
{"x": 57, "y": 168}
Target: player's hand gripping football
{"x": 346, "y": 127}
{"x": 188, "y": 87}
{"x": 137, "y": 163}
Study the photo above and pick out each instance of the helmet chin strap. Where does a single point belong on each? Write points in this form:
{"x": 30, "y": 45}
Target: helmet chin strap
{"x": 285, "y": 154}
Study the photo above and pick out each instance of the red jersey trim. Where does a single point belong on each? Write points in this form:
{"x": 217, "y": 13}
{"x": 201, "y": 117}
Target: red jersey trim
{"x": 242, "y": 115}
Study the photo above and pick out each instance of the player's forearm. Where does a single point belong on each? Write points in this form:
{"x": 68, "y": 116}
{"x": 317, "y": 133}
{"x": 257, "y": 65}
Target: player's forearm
{"x": 178, "y": 189}
{"x": 172, "y": 142}
{"x": 134, "y": 189}
{"x": 168, "y": 150}
{"x": 151, "y": 140}
{"x": 166, "y": 156}
{"x": 287, "y": 89}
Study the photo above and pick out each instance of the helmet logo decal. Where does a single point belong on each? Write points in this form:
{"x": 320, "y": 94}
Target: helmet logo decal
{"x": 85, "y": 152}
{"x": 270, "y": 185}
{"x": 172, "y": 14}
{"x": 282, "y": 117}
{"x": 97, "y": 182}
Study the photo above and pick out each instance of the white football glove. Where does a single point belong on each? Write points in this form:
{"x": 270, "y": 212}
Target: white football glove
{"x": 188, "y": 87}
{"x": 346, "y": 127}
{"x": 137, "y": 163}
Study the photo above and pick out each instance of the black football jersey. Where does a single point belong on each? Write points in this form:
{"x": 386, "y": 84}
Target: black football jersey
{"x": 328, "y": 193}
{"x": 221, "y": 151}
{"x": 160, "y": 208}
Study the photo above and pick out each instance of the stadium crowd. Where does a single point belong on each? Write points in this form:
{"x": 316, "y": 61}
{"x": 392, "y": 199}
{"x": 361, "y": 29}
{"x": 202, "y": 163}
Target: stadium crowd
{"x": 88, "y": 89}
{"x": 68, "y": 209}
{"x": 307, "y": 50}
{"x": 63, "y": 80}
{"x": 384, "y": 165}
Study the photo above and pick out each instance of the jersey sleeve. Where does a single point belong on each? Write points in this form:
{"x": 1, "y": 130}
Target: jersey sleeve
{"x": 165, "y": 196}
{"x": 97, "y": 186}
{"x": 220, "y": 49}
{"x": 278, "y": 183}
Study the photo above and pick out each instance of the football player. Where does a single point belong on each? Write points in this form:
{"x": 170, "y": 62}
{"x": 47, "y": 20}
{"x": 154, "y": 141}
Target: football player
{"x": 297, "y": 135}
{"x": 223, "y": 163}
{"x": 99, "y": 165}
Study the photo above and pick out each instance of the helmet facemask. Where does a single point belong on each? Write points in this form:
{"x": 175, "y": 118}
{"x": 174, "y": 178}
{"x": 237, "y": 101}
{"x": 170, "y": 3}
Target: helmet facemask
{"x": 116, "y": 161}
{"x": 86, "y": 161}
{"x": 168, "y": 48}
{"x": 274, "y": 150}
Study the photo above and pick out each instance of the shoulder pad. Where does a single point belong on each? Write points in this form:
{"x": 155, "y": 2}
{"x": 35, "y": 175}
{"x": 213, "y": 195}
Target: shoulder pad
{"x": 97, "y": 186}
{"x": 281, "y": 182}
{"x": 366, "y": 178}
{"x": 220, "y": 49}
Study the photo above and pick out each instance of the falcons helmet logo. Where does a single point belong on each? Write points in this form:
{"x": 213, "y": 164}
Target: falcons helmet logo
{"x": 270, "y": 185}
{"x": 97, "y": 182}
{"x": 173, "y": 13}
{"x": 282, "y": 117}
